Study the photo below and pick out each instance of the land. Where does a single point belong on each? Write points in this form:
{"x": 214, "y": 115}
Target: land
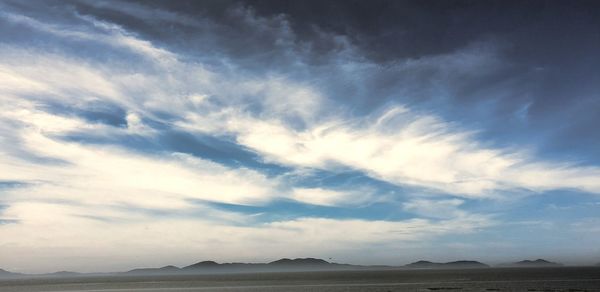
{"x": 4, "y": 274}
{"x": 282, "y": 265}
{"x": 554, "y": 279}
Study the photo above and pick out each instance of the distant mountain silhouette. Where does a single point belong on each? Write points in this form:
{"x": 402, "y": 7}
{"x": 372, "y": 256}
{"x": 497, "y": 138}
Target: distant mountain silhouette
{"x": 467, "y": 264}
{"x": 534, "y": 264}
{"x": 282, "y": 265}
{"x": 214, "y": 267}
{"x": 7, "y": 274}
{"x": 449, "y": 265}
{"x": 203, "y": 264}
{"x": 285, "y": 264}
{"x": 163, "y": 270}
{"x": 62, "y": 274}
{"x": 300, "y": 262}
{"x": 423, "y": 264}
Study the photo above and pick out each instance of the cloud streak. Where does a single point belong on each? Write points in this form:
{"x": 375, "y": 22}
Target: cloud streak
{"x": 110, "y": 137}
{"x": 405, "y": 148}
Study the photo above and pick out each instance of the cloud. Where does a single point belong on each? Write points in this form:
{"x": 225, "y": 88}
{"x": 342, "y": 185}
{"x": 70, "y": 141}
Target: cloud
{"x": 110, "y": 175}
{"x": 276, "y": 116}
{"x": 328, "y": 197}
{"x": 407, "y": 148}
{"x": 76, "y": 239}
{"x": 435, "y": 208}
{"x": 70, "y": 109}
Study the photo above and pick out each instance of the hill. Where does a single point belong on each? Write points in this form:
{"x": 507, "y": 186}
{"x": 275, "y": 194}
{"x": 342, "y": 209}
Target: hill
{"x": 7, "y": 274}
{"x": 281, "y": 265}
{"x": 533, "y": 264}
{"x": 153, "y": 271}
{"x": 202, "y": 265}
{"x": 63, "y": 274}
{"x": 300, "y": 262}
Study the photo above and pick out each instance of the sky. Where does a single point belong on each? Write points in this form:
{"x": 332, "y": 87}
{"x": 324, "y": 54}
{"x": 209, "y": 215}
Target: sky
{"x": 149, "y": 133}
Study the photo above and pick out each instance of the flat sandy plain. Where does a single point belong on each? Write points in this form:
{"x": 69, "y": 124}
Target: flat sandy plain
{"x": 568, "y": 279}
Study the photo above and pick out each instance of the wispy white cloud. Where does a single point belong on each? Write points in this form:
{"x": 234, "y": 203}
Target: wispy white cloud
{"x": 87, "y": 198}
{"x": 329, "y": 197}
{"x": 406, "y": 148}
{"x": 116, "y": 176}
{"x": 396, "y": 145}
{"x": 435, "y": 208}
{"x": 110, "y": 34}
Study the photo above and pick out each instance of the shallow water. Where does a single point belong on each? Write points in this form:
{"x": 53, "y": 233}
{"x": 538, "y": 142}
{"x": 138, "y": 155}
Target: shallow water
{"x": 488, "y": 280}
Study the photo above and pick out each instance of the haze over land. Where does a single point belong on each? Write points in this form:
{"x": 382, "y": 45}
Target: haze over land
{"x": 152, "y": 133}
{"x": 284, "y": 265}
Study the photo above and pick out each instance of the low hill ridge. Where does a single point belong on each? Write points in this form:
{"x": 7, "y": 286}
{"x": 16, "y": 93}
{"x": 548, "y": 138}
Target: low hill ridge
{"x": 163, "y": 270}
{"x": 63, "y": 274}
{"x": 285, "y": 265}
{"x": 202, "y": 264}
{"x": 300, "y": 261}
{"x": 5, "y": 274}
{"x": 533, "y": 263}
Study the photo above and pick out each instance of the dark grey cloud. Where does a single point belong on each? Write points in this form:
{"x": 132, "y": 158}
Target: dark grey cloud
{"x": 542, "y": 89}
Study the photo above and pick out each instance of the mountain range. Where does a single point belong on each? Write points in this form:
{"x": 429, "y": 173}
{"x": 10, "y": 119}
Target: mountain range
{"x": 284, "y": 265}
{"x": 299, "y": 264}
{"x": 532, "y": 264}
